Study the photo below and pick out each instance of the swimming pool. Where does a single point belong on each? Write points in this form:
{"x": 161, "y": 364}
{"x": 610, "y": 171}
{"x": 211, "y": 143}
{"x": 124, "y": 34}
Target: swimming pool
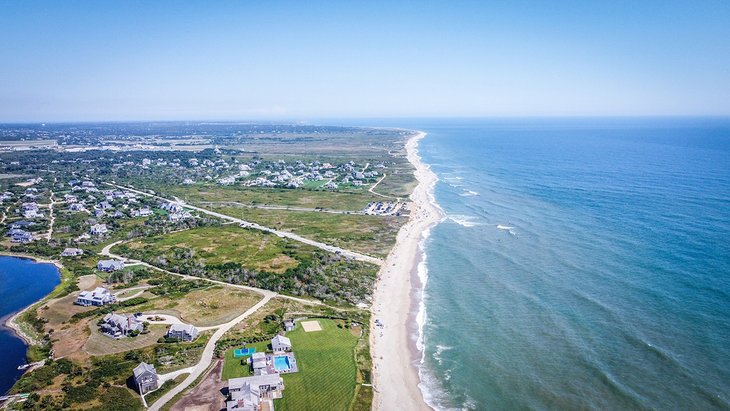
{"x": 242, "y": 352}
{"x": 281, "y": 363}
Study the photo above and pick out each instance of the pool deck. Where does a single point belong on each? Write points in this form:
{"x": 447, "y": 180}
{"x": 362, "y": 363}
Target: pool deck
{"x": 271, "y": 368}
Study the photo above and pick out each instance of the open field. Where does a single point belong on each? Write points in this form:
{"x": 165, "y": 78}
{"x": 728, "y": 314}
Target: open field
{"x": 372, "y": 235}
{"x": 220, "y": 245}
{"x": 326, "y": 377}
{"x": 265, "y": 196}
{"x": 100, "y": 344}
{"x": 211, "y": 306}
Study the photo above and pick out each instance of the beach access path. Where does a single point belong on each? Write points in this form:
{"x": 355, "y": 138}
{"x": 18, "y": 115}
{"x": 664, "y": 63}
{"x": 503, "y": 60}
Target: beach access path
{"x": 395, "y": 356}
{"x": 347, "y": 253}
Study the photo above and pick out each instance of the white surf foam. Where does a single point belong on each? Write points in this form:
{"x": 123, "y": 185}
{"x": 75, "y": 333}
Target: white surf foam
{"x": 469, "y": 193}
{"x": 464, "y": 220}
{"x": 506, "y": 228}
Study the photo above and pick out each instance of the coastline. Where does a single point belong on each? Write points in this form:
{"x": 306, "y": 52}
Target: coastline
{"x": 11, "y": 321}
{"x": 396, "y": 300}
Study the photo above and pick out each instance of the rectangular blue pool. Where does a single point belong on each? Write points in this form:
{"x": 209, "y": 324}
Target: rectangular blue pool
{"x": 281, "y": 363}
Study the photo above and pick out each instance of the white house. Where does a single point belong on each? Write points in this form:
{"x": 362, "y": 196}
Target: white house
{"x": 98, "y": 297}
{"x": 280, "y": 343}
{"x": 72, "y": 252}
{"x": 98, "y": 229}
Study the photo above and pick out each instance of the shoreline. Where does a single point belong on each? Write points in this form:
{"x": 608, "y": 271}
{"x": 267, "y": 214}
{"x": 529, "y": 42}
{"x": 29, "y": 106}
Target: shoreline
{"x": 396, "y": 300}
{"x": 10, "y": 320}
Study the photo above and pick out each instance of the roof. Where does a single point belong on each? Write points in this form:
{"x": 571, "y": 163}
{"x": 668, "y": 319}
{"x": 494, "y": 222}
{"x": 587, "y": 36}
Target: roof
{"x": 143, "y": 368}
{"x": 281, "y": 340}
{"x": 188, "y": 328}
{"x": 255, "y": 381}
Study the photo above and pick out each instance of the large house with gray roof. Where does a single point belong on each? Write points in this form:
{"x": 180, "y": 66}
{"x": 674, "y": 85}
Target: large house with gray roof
{"x": 118, "y": 326}
{"x": 254, "y": 393}
{"x": 109, "y": 266}
{"x": 182, "y": 332}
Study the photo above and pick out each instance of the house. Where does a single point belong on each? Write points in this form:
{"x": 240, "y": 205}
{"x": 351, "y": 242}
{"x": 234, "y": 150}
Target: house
{"x": 280, "y": 343}
{"x": 171, "y": 207}
{"x": 258, "y": 363}
{"x": 289, "y": 325}
{"x": 182, "y": 332}
{"x": 142, "y": 212}
{"x": 70, "y": 198}
{"x": 145, "y": 378}
{"x": 22, "y": 224}
{"x": 109, "y": 266}
{"x": 21, "y": 236}
{"x": 77, "y": 207}
{"x": 98, "y": 229}
{"x": 118, "y": 214}
{"x": 118, "y": 326}
{"x": 72, "y": 252}
{"x": 98, "y": 297}
{"x": 104, "y": 205}
{"x": 254, "y": 393}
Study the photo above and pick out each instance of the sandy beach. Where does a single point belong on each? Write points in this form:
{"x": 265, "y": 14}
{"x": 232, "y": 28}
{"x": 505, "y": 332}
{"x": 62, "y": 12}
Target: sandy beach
{"x": 394, "y": 352}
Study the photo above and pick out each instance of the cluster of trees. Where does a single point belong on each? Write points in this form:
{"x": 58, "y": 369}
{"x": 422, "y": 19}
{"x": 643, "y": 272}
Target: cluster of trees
{"x": 329, "y": 277}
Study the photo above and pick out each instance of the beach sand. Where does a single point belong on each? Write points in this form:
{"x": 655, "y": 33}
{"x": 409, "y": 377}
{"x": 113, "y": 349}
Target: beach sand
{"x": 394, "y": 352}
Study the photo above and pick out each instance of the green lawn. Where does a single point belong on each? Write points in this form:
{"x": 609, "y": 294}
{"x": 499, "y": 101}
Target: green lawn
{"x": 237, "y": 367}
{"x": 326, "y": 377}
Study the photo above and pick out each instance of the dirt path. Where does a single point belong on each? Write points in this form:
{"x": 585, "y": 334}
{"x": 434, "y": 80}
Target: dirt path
{"x": 52, "y": 217}
{"x": 207, "y": 395}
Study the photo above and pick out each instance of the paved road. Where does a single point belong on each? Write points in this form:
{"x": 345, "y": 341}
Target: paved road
{"x": 243, "y": 223}
{"x": 129, "y": 297}
{"x": 207, "y": 356}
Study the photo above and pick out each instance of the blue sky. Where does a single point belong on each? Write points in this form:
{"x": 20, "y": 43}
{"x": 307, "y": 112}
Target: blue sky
{"x": 124, "y": 60}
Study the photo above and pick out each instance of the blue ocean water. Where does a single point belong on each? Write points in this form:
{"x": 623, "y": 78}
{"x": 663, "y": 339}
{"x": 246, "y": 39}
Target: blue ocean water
{"x": 22, "y": 282}
{"x": 583, "y": 264}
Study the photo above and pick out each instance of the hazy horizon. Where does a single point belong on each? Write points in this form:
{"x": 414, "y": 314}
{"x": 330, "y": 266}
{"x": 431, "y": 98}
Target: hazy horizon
{"x": 84, "y": 61}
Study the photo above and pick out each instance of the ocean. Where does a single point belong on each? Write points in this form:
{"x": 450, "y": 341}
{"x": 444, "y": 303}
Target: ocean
{"x": 22, "y": 282}
{"x": 582, "y": 264}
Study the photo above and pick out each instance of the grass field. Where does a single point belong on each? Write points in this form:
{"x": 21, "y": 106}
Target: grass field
{"x": 372, "y": 235}
{"x": 208, "y": 307}
{"x": 326, "y": 377}
{"x": 266, "y": 196}
{"x": 218, "y": 245}
{"x": 237, "y": 367}
{"x": 100, "y": 344}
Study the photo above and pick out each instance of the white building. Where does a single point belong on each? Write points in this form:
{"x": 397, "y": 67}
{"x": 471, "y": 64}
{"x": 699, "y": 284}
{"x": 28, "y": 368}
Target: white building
{"x": 280, "y": 343}
{"x": 98, "y": 297}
